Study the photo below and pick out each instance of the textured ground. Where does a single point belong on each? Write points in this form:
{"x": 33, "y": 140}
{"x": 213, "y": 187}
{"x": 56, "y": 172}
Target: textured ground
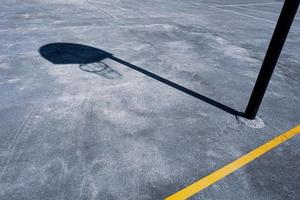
{"x": 151, "y": 119}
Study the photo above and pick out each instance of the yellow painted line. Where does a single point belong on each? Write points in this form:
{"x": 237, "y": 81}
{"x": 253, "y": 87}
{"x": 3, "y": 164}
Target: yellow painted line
{"x": 233, "y": 166}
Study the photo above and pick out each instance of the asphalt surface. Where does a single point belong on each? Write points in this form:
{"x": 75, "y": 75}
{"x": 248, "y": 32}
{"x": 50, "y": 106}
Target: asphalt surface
{"x": 129, "y": 99}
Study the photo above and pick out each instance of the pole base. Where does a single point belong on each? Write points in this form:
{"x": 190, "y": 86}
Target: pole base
{"x": 253, "y": 123}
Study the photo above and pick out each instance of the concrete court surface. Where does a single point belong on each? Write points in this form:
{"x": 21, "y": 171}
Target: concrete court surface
{"x": 131, "y": 99}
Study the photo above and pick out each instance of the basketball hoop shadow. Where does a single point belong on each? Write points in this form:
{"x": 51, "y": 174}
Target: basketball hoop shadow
{"x": 89, "y": 59}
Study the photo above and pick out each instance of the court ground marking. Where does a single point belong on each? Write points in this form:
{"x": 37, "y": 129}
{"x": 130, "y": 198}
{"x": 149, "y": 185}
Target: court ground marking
{"x": 233, "y": 166}
{"x": 241, "y": 6}
{"x": 249, "y": 4}
{"x": 261, "y": 11}
{"x": 257, "y": 11}
{"x": 242, "y": 14}
{"x": 250, "y": 16}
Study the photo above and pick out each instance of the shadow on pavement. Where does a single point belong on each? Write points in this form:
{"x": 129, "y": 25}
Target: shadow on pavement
{"x": 90, "y": 60}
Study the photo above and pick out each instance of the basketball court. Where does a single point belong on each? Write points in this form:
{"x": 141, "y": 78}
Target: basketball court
{"x": 129, "y": 99}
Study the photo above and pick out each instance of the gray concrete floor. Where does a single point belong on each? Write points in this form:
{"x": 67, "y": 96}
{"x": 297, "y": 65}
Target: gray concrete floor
{"x": 152, "y": 118}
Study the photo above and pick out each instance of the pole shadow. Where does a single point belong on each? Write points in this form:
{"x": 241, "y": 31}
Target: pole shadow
{"x": 90, "y": 60}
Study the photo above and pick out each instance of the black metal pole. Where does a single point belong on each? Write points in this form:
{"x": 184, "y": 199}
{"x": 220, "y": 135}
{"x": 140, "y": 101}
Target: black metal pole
{"x": 281, "y": 31}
